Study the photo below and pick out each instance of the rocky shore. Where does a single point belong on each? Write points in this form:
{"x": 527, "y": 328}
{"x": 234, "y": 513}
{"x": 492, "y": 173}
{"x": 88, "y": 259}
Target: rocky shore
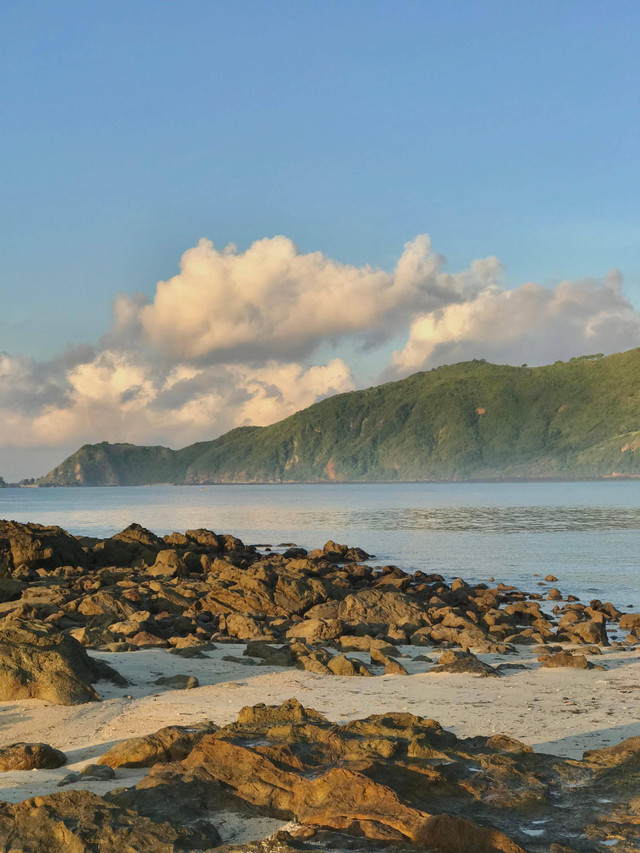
{"x": 191, "y": 693}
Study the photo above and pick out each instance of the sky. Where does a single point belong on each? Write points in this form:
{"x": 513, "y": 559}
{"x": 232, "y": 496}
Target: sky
{"x": 216, "y": 213}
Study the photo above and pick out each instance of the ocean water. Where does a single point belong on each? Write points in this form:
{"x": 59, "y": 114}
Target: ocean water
{"x": 587, "y": 534}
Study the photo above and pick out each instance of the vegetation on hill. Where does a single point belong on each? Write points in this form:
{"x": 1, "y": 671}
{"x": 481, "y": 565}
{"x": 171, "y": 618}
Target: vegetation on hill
{"x": 472, "y": 420}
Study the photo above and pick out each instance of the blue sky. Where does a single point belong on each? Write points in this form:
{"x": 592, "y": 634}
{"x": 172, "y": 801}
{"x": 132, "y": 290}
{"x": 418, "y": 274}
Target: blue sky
{"x": 131, "y": 130}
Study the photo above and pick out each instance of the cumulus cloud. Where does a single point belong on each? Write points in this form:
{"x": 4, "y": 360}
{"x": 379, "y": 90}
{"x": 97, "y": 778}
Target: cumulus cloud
{"x": 273, "y": 302}
{"x": 117, "y": 397}
{"x": 229, "y": 341}
{"x": 531, "y": 324}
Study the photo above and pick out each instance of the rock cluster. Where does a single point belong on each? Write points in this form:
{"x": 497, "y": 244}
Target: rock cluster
{"x": 394, "y": 781}
{"x": 136, "y": 590}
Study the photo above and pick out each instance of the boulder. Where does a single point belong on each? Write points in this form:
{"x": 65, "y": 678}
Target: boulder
{"x": 463, "y": 662}
{"x": 168, "y": 564}
{"x": 178, "y": 682}
{"x": 316, "y": 630}
{"x": 37, "y": 546}
{"x": 342, "y": 665}
{"x": 172, "y": 743}
{"x": 628, "y": 621}
{"x": 133, "y": 546}
{"x": 275, "y": 656}
{"x": 376, "y": 606}
{"x": 341, "y": 799}
{"x": 565, "y": 659}
{"x": 588, "y": 632}
{"x": 38, "y": 662}
{"x": 30, "y": 756}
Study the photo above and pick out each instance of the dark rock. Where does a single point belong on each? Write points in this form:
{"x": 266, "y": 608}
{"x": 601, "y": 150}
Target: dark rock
{"x": 565, "y": 659}
{"x": 463, "y": 662}
{"x": 178, "y": 682}
{"x": 30, "y": 756}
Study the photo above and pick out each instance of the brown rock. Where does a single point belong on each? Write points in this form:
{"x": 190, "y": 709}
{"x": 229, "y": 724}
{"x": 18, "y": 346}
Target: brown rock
{"x": 168, "y": 564}
{"x": 172, "y": 743}
{"x": 30, "y": 756}
{"x": 37, "y": 546}
{"x": 81, "y": 822}
{"x": 565, "y": 659}
{"x": 463, "y": 662}
{"x": 37, "y": 662}
{"x": 342, "y": 665}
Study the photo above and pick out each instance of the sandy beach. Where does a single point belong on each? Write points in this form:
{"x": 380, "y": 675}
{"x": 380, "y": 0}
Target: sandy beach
{"x": 558, "y": 711}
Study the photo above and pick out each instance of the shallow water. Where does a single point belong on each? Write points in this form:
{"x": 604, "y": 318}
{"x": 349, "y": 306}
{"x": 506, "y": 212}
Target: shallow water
{"x": 587, "y": 534}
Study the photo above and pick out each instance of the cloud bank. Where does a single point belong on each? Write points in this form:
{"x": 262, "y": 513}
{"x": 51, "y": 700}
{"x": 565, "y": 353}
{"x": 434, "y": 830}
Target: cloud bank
{"x": 530, "y": 324}
{"x": 274, "y": 302}
{"x": 230, "y": 340}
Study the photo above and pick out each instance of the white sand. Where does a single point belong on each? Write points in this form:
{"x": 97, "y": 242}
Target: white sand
{"x": 561, "y": 711}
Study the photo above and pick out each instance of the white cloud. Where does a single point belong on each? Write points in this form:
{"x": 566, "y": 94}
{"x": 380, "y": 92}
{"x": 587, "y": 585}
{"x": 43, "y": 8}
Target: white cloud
{"x": 271, "y": 301}
{"x": 117, "y": 397}
{"x": 227, "y": 341}
{"x": 531, "y": 324}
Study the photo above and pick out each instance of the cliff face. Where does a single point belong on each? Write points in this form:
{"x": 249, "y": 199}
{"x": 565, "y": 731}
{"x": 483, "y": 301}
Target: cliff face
{"x": 464, "y": 421}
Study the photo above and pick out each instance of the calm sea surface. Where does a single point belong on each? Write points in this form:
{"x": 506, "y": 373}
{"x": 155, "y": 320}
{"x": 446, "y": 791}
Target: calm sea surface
{"x": 587, "y": 534}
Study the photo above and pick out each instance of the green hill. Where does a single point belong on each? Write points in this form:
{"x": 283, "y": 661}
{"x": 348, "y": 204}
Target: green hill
{"x": 472, "y": 420}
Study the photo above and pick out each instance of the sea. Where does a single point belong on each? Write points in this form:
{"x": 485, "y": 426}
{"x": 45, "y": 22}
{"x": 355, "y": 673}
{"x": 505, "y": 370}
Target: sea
{"x": 587, "y": 534}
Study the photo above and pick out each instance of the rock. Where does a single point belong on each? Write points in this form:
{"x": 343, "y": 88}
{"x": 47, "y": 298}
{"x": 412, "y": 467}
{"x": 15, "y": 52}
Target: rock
{"x": 381, "y": 607}
{"x": 37, "y": 546}
{"x": 270, "y": 654}
{"x": 69, "y": 779}
{"x": 343, "y": 553}
{"x": 393, "y": 667}
{"x": 172, "y": 743}
{"x": 178, "y": 682}
{"x": 551, "y": 579}
{"x": 188, "y": 652}
{"x": 37, "y": 662}
{"x": 463, "y": 662}
{"x": 504, "y": 743}
{"x": 342, "y": 665}
{"x": 82, "y": 822}
{"x": 244, "y": 627}
{"x": 565, "y": 659}
{"x": 588, "y": 632}
{"x": 10, "y": 588}
{"x": 628, "y": 621}
{"x": 339, "y": 798}
{"x": 168, "y": 564}
{"x": 352, "y": 643}
{"x": 118, "y": 647}
{"x": 30, "y": 756}
{"x": 316, "y": 630}
{"x": 106, "y": 604}
{"x": 97, "y": 771}
{"x": 145, "y": 639}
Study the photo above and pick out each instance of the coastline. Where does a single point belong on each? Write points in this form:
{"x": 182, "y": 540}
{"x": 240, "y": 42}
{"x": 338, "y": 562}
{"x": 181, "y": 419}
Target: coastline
{"x": 614, "y": 477}
{"x": 244, "y": 658}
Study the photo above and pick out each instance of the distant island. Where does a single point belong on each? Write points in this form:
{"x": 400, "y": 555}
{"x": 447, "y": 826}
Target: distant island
{"x": 27, "y": 482}
{"x": 473, "y": 420}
